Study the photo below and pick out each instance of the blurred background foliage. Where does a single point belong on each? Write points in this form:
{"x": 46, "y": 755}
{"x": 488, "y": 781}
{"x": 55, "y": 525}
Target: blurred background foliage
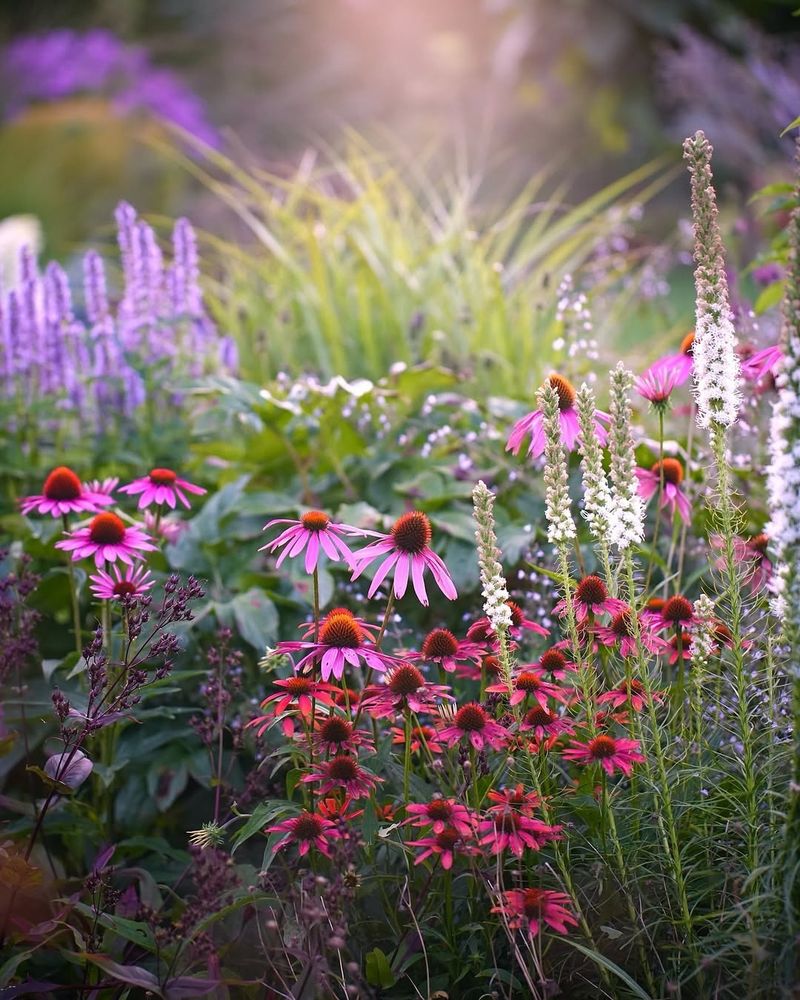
{"x": 502, "y": 88}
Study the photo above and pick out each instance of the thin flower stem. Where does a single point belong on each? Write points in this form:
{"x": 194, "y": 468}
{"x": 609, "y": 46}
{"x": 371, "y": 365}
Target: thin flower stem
{"x": 659, "y": 498}
{"x": 315, "y": 590}
{"x": 73, "y": 593}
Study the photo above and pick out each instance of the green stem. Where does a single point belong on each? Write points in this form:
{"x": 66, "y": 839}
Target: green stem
{"x": 74, "y": 598}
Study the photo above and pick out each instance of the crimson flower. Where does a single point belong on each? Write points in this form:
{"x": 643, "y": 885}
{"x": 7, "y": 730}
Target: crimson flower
{"x": 439, "y": 814}
{"x": 306, "y": 831}
{"x": 620, "y": 632}
{"x": 531, "y": 909}
{"x": 118, "y": 585}
{"x": 422, "y": 738}
{"x": 442, "y": 647}
{"x": 296, "y": 694}
{"x": 471, "y": 722}
{"x": 405, "y": 689}
{"x": 682, "y": 363}
{"x": 334, "y": 734}
{"x": 506, "y": 829}
{"x": 607, "y": 751}
{"x": 446, "y": 845}
{"x": 530, "y": 684}
{"x": 544, "y": 723}
{"x": 591, "y": 598}
{"x": 553, "y": 662}
{"x": 757, "y": 568}
{"x": 677, "y": 612}
{"x": 632, "y": 691}
{"x": 515, "y": 798}
{"x": 343, "y": 771}
{"x": 342, "y": 640}
{"x": 408, "y": 553}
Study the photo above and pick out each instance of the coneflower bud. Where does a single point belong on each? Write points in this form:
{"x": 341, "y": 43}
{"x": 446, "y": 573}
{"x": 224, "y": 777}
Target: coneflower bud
{"x": 560, "y": 525}
{"x": 597, "y": 498}
{"x": 717, "y": 373}
{"x": 209, "y": 835}
{"x": 627, "y": 527}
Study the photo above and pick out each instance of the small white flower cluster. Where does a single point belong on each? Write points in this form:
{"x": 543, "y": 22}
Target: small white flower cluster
{"x": 495, "y": 595}
{"x": 626, "y": 525}
{"x": 493, "y": 582}
{"x": 560, "y": 525}
{"x": 703, "y": 642}
{"x": 783, "y": 474}
{"x": 717, "y": 371}
{"x": 597, "y": 497}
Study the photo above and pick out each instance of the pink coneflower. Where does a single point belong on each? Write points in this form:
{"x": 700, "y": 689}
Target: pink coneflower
{"x": 408, "y": 553}
{"x": 544, "y": 723}
{"x": 446, "y": 845}
{"x": 681, "y": 363}
{"x": 672, "y": 496}
{"x": 405, "y": 690}
{"x": 553, "y": 662}
{"x": 481, "y": 631}
{"x": 307, "y": 830}
{"x": 315, "y": 533}
{"x": 334, "y": 734}
{"x": 162, "y": 486}
{"x": 677, "y": 613}
{"x": 507, "y": 829}
{"x": 132, "y": 582}
{"x": 343, "y": 771}
{"x": 422, "y": 738}
{"x": 63, "y": 493}
{"x": 591, "y": 598}
{"x": 607, "y": 751}
{"x": 680, "y": 647}
{"x": 568, "y": 419}
{"x": 442, "y": 647}
{"x": 105, "y": 486}
{"x": 440, "y": 814}
{"x": 529, "y": 684}
{"x": 757, "y": 568}
{"x": 338, "y": 811}
{"x": 762, "y": 362}
{"x": 168, "y": 528}
{"x": 107, "y": 538}
{"x": 620, "y": 632}
{"x": 341, "y": 641}
{"x": 515, "y": 798}
{"x": 295, "y": 694}
{"x": 531, "y": 909}
{"x": 471, "y": 722}
{"x": 631, "y": 692}
{"x": 657, "y": 383}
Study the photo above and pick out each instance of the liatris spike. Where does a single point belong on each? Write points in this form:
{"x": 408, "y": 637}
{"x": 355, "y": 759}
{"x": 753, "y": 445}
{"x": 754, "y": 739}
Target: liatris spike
{"x": 628, "y": 526}
{"x": 560, "y": 525}
{"x": 717, "y": 373}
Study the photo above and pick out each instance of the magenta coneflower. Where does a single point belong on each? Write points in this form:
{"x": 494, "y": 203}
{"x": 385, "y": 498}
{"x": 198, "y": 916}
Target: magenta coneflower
{"x": 681, "y": 363}
{"x": 657, "y": 383}
{"x": 307, "y": 830}
{"x": 168, "y": 528}
{"x": 315, "y": 533}
{"x": 343, "y": 771}
{"x": 439, "y": 814}
{"x": 531, "y": 909}
{"x": 751, "y": 552}
{"x": 507, "y": 829}
{"x": 607, "y": 751}
{"x": 481, "y": 631}
{"x": 107, "y": 538}
{"x": 341, "y": 641}
{"x": 620, "y": 632}
{"x": 162, "y": 486}
{"x": 472, "y": 722}
{"x": 442, "y": 647}
{"x": 568, "y": 419}
{"x": 515, "y": 798}
{"x": 555, "y": 664}
{"x": 105, "y": 486}
{"x": 118, "y": 585}
{"x": 544, "y": 723}
{"x": 680, "y": 647}
{"x": 529, "y": 684}
{"x": 446, "y": 845}
{"x": 677, "y": 612}
{"x": 633, "y": 692}
{"x": 762, "y": 362}
{"x": 672, "y": 496}
{"x": 334, "y": 734}
{"x": 63, "y": 493}
{"x": 408, "y": 552}
{"x": 591, "y": 598}
{"x": 295, "y": 694}
{"x": 422, "y": 738}
{"x": 405, "y": 689}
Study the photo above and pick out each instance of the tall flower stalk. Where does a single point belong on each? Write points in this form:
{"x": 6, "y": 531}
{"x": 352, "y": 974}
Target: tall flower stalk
{"x": 493, "y": 582}
{"x": 598, "y": 502}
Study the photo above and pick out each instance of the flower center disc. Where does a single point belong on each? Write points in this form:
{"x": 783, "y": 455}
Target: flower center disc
{"x": 448, "y": 839}
{"x": 298, "y": 685}
{"x": 106, "y": 529}
{"x": 687, "y": 344}
{"x": 62, "y": 484}
{"x": 307, "y": 827}
{"x": 603, "y": 747}
{"x": 470, "y": 718}
{"x": 315, "y": 520}
{"x": 439, "y": 809}
{"x": 622, "y": 624}
{"x": 517, "y": 616}
{"x": 532, "y": 903}
{"x": 760, "y": 543}
{"x": 528, "y": 681}
{"x": 335, "y": 730}
{"x": 538, "y": 717}
{"x": 552, "y": 660}
{"x": 412, "y": 532}
{"x": 122, "y": 588}
{"x": 341, "y": 630}
{"x": 406, "y": 680}
{"x": 677, "y": 609}
{"x": 564, "y": 389}
{"x": 439, "y": 643}
{"x": 591, "y": 590}
{"x": 162, "y": 477}
{"x": 491, "y": 665}
{"x": 343, "y": 768}
{"x": 671, "y": 469}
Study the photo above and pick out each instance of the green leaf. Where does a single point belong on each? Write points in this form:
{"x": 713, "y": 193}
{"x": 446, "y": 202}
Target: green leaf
{"x": 263, "y": 814}
{"x": 254, "y": 615}
{"x": 790, "y": 126}
{"x": 632, "y": 985}
{"x": 379, "y": 972}
{"x": 769, "y": 297}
